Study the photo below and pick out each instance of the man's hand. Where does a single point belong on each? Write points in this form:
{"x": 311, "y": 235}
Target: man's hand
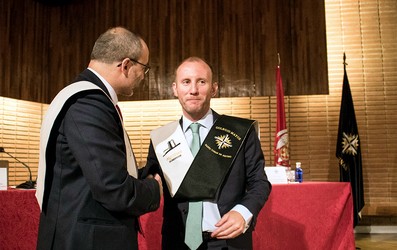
{"x": 158, "y": 179}
{"x": 230, "y": 226}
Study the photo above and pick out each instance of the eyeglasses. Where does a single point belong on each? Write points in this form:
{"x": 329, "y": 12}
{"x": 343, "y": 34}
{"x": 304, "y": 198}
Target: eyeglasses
{"x": 146, "y": 67}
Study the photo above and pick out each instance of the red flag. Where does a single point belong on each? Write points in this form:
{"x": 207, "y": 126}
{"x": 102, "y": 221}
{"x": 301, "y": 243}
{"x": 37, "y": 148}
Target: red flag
{"x": 281, "y": 142}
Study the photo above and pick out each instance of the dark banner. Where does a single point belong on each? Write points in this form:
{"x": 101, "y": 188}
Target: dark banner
{"x": 348, "y": 149}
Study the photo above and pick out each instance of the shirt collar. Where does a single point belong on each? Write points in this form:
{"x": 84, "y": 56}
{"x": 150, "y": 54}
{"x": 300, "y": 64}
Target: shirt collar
{"x": 206, "y": 121}
{"x": 109, "y": 87}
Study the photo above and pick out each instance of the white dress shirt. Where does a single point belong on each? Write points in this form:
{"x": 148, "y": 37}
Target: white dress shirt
{"x": 109, "y": 87}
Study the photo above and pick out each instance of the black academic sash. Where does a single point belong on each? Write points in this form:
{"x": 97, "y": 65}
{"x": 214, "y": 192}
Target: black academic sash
{"x": 215, "y": 158}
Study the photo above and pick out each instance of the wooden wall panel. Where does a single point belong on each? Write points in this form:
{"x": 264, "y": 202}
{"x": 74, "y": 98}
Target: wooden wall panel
{"x": 45, "y": 46}
{"x": 235, "y": 37}
{"x": 308, "y": 57}
{"x": 269, "y": 31}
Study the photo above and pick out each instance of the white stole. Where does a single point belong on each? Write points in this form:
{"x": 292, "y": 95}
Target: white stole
{"x": 173, "y": 154}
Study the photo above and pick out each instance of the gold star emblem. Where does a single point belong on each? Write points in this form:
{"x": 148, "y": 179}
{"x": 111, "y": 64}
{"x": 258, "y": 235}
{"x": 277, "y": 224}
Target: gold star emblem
{"x": 223, "y": 141}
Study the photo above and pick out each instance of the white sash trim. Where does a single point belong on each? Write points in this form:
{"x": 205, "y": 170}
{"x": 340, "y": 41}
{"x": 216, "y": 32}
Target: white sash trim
{"x": 48, "y": 122}
{"x": 173, "y": 154}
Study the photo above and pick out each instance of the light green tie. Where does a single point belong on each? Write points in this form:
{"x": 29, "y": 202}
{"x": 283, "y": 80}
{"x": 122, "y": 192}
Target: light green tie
{"x": 193, "y": 233}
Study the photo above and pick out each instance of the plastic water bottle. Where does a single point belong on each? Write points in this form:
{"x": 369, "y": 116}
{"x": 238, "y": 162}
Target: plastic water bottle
{"x": 298, "y": 172}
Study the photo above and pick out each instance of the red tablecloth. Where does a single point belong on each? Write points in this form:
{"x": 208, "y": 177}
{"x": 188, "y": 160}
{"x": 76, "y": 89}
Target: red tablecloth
{"x": 307, "y": 216}
{"x": 310, "y": 215}
{"x": 19, "y": 219}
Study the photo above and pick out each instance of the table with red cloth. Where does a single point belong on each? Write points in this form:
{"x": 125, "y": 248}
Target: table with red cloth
{"x": 309, "y": 215}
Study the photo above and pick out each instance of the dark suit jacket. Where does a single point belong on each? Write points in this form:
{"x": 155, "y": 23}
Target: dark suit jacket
{"x": 246, "y": 184}
{"x": 90, "y": 200}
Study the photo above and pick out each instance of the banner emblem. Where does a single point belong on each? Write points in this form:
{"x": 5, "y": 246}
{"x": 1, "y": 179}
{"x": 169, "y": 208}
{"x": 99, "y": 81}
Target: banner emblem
{"x": 349, "y": 144}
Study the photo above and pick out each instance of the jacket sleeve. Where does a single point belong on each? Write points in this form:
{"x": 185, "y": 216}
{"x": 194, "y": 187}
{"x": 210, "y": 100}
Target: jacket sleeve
{"x": 258, "y": 187}
{"x": 152, "y": 164}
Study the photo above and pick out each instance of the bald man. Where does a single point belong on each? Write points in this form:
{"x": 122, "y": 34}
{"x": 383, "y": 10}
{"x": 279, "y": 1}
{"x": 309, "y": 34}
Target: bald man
{"x": 87, "y": 187}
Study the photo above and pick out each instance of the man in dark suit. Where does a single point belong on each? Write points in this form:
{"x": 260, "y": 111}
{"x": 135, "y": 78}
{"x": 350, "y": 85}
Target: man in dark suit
{"x": 232, "y": 187}
{"x": 88, "y": 190}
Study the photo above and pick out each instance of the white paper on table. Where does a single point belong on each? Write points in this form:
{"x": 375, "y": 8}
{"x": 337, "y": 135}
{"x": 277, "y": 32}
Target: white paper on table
{"x": 3, "y": 178}
{"x": 276, "y": 174}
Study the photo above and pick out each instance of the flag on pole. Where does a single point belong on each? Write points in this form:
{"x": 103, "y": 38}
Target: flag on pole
{"x": 281, "y": 142}
{"x": 348, "y": 148}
